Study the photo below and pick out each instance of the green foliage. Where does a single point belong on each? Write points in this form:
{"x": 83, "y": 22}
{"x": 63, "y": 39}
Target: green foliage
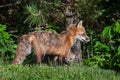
{"x": 6, "y": 44}
{"x": 117, "y": 27}
{"x": 43, "y": 13}
{"x": 89, "y": 10}
{"x": 45, "y": 72}
{"x": 106, "y": 52}
{"x": 106, "y": 32}
{"x": 35, "y": 16}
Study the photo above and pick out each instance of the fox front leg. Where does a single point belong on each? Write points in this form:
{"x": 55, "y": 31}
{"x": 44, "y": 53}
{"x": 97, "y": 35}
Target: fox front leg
{"x": 38, "y": 56}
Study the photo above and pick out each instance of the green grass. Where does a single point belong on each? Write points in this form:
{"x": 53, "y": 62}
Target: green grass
{"x": 45, "y": 72}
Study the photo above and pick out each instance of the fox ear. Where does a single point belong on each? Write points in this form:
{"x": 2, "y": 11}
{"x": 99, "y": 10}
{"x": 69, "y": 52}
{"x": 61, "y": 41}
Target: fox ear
{"x": 79, "y": 24}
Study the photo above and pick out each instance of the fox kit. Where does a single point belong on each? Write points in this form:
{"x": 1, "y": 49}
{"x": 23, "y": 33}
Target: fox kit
{"x": 46, "y": 42}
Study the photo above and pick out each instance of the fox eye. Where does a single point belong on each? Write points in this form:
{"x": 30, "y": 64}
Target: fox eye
{"x": 82, "y": 34}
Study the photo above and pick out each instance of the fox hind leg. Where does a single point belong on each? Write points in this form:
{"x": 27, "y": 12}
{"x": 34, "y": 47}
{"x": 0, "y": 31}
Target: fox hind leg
{"x": 19, "y": 59}
{"x": 22, "y": 51}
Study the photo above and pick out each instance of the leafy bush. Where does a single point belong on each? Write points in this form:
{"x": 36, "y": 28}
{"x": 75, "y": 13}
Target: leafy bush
{"x": 6, "y": 44}
{"x": 106, "y": 49}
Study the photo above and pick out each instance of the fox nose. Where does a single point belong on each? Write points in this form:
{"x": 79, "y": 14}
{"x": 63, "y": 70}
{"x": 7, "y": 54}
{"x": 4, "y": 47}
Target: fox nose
{"x": 87, "y": 39}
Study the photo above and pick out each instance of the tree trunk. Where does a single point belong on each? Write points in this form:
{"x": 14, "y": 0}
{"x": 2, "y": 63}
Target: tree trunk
{"x": 71, "y": 17}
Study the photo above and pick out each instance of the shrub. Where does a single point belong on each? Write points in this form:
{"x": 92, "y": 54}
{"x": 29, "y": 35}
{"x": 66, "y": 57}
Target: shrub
{"x": 106, "y": 48}
{"x": 6, "y": 44}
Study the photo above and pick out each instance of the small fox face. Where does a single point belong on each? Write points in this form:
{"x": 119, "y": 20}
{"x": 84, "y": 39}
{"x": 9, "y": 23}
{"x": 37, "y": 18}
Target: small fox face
{"x": 70, "y": 58}
{"x": 81, "y": 33}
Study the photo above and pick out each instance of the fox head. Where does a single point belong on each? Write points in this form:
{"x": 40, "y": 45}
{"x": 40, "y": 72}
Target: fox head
{"x": 81, "y": 33}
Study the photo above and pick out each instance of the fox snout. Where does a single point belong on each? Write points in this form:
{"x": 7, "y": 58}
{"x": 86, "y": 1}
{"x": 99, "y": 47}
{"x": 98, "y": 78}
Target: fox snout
{"x": 87, "y": 39}
{"x": 83, "y": 38}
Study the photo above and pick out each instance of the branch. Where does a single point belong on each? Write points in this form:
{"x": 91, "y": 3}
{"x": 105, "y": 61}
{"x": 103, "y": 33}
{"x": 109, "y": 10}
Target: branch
{"x": 7, "y": 5}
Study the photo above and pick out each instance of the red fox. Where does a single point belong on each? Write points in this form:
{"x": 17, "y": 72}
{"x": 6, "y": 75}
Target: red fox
{"x": 45, "y": 42}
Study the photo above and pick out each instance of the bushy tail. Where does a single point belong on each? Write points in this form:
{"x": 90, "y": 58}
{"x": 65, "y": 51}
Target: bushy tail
{"x": 23, "y": 49}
